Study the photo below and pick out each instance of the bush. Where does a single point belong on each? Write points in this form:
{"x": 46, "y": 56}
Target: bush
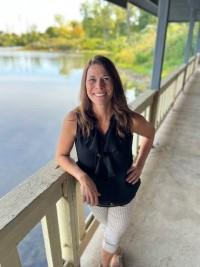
{"x": 92, "y": 43}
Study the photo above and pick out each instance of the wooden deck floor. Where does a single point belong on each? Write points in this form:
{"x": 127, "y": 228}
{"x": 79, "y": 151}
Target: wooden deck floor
{"x": 165, "y": 227}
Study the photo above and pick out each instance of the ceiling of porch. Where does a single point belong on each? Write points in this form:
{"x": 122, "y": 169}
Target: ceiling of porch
{"x": 179, "y": 9}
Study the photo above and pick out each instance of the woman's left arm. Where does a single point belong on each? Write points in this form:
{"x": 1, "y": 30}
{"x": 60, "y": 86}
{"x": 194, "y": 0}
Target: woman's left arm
{"x": 147, "y": 131}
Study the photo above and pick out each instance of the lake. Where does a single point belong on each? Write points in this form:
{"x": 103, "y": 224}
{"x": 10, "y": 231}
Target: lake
{"x": 37, "y": 89}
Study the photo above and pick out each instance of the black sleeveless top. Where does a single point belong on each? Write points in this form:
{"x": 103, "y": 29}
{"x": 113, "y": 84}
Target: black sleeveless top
{"x": 106, "y": 159}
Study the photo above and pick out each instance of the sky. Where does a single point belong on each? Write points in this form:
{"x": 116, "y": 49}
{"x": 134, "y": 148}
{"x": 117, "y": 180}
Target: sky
{"x": 18, "y": 15}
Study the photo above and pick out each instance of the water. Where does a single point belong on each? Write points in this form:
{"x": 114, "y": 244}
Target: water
{"x": 37, "y": 89}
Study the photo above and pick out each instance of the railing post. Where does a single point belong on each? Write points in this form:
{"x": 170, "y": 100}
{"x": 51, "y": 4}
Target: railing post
{"x": 184, "y": 77}
{"x": 68, "y": 223}
{"x": 80, "y": 212}
{"x": 196, "y": 62}
{"x": 154, "y": 109}
{"x": 52, "y": 238}
{"x": 193, "y": 66}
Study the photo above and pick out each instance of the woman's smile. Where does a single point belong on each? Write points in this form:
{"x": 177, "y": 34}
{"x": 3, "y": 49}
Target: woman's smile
{"x": 99, "y": 94}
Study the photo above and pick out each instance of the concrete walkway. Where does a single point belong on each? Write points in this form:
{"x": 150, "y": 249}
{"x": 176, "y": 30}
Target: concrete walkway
{"x": 165, "y": 228}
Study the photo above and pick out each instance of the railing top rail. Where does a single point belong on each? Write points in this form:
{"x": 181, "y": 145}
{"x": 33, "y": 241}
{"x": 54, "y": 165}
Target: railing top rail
{"x": 192, "y": 58}
{"x": 13, "y": 203}
{"x": 142, "y": 101}
{"x": 173, "y": 76}
{"x": 176, "y": 73}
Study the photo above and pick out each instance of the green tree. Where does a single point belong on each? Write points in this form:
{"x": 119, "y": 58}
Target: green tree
{"x": 52, "y": 32}
{"x": 119, "y": 18}
{"x": 145, "y": 19}
{"x": 97, "y": 21}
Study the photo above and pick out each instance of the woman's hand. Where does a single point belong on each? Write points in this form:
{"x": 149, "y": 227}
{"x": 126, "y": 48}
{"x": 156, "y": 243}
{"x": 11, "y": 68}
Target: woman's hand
{"x": 89, "y": 190}
{"x": 134, "y": 173}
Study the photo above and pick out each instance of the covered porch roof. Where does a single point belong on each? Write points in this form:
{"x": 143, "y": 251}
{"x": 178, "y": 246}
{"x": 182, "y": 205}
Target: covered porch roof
{"x": 179, "y": 10}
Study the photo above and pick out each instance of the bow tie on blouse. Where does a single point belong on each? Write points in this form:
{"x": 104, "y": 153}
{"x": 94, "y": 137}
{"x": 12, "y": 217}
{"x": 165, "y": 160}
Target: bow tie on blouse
{"x": 103, "y": 154}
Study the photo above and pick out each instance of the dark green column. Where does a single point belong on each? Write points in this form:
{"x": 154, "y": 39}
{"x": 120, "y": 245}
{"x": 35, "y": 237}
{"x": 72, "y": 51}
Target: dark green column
{"x": 163, "y": 13}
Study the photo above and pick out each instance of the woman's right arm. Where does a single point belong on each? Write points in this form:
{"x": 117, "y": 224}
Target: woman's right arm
{"x": 64, "y": 147}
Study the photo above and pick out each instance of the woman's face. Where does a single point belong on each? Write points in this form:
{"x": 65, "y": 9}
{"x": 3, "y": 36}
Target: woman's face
{"x": 99, "y": 85}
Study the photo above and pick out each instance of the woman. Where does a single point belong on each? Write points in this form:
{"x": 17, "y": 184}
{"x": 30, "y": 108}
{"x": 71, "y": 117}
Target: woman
{"x": 102, "y": 129}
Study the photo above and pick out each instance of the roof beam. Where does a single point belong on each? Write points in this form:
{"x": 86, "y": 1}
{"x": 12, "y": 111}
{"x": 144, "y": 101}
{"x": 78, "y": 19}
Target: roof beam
{"x": 122, "y": 3}
{"x": 163, "y": 14}
{"x": 147, "y": 5}
{"x": 190, "y": 34}
{"x": 198, "y": 40}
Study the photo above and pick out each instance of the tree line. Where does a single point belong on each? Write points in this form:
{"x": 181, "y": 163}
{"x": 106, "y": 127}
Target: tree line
{"x": 127, "y": 35}
{"x": 100, "y": 21}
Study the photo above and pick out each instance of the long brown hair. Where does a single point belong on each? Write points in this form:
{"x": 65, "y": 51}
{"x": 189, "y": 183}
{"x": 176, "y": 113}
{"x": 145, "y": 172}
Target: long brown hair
{"x": 123, "y": 114}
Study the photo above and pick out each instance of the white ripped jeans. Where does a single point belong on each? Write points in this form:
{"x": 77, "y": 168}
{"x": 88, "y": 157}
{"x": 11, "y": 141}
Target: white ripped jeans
{"x": 116, "y": 220}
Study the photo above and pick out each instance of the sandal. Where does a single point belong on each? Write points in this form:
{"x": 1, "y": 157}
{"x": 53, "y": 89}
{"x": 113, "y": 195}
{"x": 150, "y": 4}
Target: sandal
{"x": 117, "y": 260}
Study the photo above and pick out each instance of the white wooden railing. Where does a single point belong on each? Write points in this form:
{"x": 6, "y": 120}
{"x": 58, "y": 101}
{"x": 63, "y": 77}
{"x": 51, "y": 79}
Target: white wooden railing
{"x": 53, "y": 198}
